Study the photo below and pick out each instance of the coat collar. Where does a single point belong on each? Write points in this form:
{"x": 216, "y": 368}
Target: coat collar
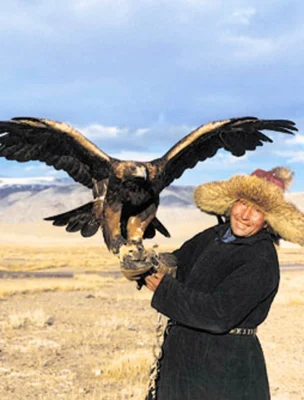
{"x": 261, "y": 235}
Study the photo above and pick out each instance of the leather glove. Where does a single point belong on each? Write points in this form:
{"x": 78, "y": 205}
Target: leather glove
{"x": 135, "y": 269}
{"x": 149, "y": 263}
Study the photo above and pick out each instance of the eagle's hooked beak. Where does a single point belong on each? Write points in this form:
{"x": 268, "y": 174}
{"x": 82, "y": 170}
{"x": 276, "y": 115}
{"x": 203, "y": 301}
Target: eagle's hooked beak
{"x": 140, "y": 172}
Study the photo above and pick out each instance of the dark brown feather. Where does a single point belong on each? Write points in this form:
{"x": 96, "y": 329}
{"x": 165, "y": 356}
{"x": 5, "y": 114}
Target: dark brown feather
{"x": 236, "y": 135}
{"x": 56, "y": 144}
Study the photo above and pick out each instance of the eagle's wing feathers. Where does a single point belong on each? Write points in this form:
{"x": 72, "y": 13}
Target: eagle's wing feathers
{"x": 236, "y": 135}
{"x": 55, "y": 143}
{"x": 86, "y": 219}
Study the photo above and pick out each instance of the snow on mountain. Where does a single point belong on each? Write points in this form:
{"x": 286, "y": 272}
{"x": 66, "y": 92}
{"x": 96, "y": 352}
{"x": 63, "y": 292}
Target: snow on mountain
{"x": 32, "y": 199}
{"x": 38, "y": 180}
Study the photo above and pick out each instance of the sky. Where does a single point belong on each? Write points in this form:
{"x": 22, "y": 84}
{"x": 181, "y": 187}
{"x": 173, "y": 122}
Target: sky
{"x": 135, "y": 76}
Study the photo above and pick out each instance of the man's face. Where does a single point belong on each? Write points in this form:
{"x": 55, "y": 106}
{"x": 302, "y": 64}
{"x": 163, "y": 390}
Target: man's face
{"x": 246, "y": 220}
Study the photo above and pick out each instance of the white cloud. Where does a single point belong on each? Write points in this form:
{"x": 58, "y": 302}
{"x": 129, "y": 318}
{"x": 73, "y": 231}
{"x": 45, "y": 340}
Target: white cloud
{"x": 197, "y": 3}
{"x": 15, "y": 17}
{"x": 263, "y": 45}
{"x": 56, "y": 16}
{"x": 109, "y": 13}
{"x": 223, "y": 160}
{"x": 26, "y": 180}
{"x": 291, "y": 156}
{"x": 176, "y": 132}
{"x": 46, "y": 170}
{"x": 141, "y": 131}
{"x": 221, "y": 100}
{"x": 55, "y": 173}
{"x": 249, "y": 48}
{"x": 296, "y": 140}
{"x": 83, "y": 5}
{"x": 136, "y": 156}
{"x": 30, "y": 168}
{"x": 243, "y": 16}
{"x": 96, "y": 131}
{"x": 38, "y": 167}
{"x": 239, "y": 17}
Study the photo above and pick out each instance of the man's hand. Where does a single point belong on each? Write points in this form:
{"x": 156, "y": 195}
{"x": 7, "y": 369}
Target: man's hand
{"x": 135, "y": 269}
{"x": 152, "y": 281}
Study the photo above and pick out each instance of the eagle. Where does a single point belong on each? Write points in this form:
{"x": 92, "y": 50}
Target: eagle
{"x": 125, "y": 193}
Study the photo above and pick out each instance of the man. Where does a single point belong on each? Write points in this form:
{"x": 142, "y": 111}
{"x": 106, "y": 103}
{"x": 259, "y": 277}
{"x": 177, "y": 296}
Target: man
{"x": 227, "y": 278}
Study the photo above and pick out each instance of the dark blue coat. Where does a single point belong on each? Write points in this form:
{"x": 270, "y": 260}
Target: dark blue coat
{"x": 219, "y": 286}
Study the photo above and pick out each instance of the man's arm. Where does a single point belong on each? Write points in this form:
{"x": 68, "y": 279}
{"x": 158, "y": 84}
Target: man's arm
{"x": 222, "y": 309}
{"x": 139, "y": 267}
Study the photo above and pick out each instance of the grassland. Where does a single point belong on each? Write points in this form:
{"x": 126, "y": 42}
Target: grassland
{"x": 96, "y": 343}
{"x": 91, "y": 337}
{"x": 26, "y": 257}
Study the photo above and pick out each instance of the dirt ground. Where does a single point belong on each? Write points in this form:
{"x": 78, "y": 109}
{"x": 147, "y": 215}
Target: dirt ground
{"x": 87, "y": 344}
{"x": 97, "y": 343}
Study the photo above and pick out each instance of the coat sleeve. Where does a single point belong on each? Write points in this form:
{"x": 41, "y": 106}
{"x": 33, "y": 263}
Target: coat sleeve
{"x": 227, "y": 306}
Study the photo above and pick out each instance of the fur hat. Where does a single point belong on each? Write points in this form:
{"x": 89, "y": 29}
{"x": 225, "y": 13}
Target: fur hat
{"x": 265, "y": 190}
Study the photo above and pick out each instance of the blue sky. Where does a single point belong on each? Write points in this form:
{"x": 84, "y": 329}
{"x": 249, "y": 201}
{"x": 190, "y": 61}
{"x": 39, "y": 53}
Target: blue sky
{"x": 135, "y": 76}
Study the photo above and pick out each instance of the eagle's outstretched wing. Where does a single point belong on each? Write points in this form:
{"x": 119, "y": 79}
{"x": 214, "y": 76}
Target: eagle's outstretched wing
{"x": 55, "y": 143}
{"x": 235, "y": 135}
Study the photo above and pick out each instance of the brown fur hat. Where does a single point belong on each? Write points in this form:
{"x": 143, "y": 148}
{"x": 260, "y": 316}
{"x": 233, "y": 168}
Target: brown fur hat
{"x": 265, "y": 190}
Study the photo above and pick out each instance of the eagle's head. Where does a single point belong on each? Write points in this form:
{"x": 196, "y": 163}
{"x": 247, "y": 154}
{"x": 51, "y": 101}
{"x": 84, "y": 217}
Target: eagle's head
{"x": 130, "y": 170}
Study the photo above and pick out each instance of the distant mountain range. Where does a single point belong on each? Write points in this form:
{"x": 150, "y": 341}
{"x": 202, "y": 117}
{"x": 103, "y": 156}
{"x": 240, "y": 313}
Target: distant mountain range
{"x": 32, "y": 199}
{"x": 35, "y": 181}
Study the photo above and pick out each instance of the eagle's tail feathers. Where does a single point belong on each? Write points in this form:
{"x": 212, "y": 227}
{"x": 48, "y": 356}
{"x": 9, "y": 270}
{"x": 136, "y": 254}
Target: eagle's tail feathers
{"x": 90, "y": 228}
{"x": 81, "y": 219}
{"x": 160, "y": 227}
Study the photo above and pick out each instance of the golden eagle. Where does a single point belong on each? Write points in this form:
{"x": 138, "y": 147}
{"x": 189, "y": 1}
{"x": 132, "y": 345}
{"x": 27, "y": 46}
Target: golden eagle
{"x": 126, "y": 193}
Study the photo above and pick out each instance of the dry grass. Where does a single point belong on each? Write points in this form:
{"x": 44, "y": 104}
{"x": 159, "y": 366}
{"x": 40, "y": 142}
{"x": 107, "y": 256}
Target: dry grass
{"x": 291, "y": 255}
{"x": 91, "y": 337}
{"x": 296, "y": 300}
{"x": 28, "y": 258}
{"x": 36, "y": 318}
{"x": 97, "y": 344}
{"x": 129, "y": 367}
{"x": 9, "y": 287}
{"x": 129, "y": 391}
{"x": 87, "y": 258}
{"x": 77, "y": 345}
{"x": 84, "y": 257}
